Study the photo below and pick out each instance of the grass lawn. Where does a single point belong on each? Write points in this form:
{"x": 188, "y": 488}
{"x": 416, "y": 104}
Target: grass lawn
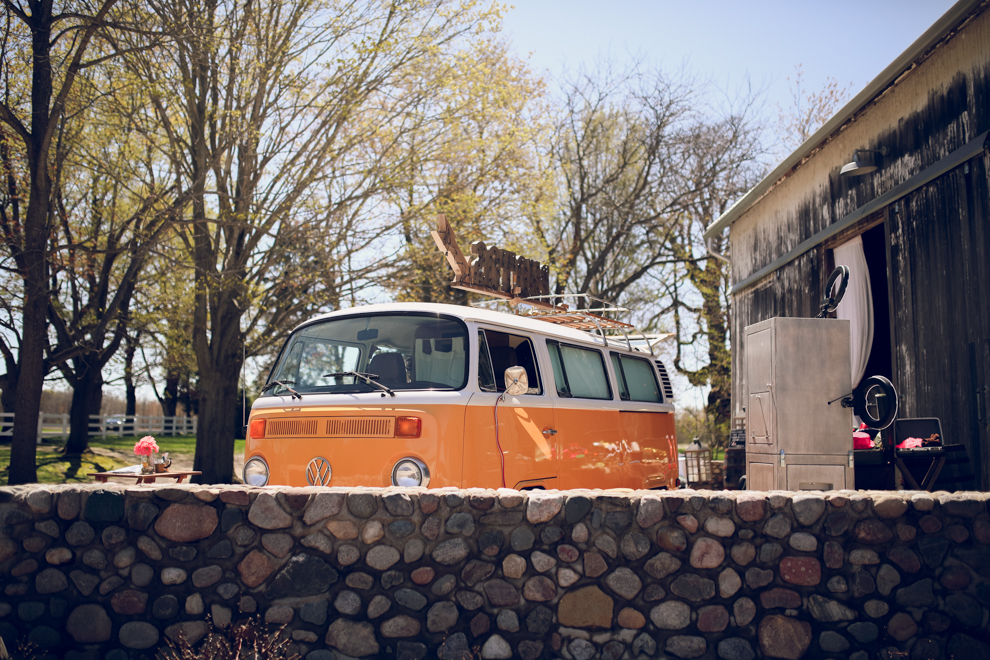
{"x": 56, "y": 468}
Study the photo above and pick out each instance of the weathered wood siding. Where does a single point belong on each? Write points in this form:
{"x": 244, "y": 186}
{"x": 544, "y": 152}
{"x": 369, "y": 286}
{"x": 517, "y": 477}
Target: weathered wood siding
{"x": 938, "y": 237}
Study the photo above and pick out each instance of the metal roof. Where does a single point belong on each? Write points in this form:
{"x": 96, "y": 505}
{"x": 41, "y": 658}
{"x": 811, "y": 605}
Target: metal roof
{"x": 932, "y": 36}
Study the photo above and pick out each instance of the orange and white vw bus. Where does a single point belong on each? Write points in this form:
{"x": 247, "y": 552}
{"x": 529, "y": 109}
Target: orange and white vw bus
{"x": 414, "y": 394}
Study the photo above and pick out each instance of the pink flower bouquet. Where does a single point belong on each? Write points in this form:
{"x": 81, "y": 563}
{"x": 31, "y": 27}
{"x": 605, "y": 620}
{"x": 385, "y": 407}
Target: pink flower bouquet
{"x": 146, "y": 446}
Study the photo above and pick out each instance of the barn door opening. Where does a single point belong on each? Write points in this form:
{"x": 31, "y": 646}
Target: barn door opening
{"x": 864, "y": 249}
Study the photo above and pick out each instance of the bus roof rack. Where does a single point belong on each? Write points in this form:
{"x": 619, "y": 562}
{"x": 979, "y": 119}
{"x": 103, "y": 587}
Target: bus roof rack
{"x": 591, "y": 318}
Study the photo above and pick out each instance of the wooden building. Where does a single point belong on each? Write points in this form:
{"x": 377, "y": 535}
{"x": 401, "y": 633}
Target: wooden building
{"x": 922, "y": 215}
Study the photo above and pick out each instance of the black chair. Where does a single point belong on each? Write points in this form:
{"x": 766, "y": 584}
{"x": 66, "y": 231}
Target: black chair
{"x": 389, "y": 367}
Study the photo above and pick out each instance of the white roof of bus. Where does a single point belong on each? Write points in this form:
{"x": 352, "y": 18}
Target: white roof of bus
{"x": 481, "y": 315}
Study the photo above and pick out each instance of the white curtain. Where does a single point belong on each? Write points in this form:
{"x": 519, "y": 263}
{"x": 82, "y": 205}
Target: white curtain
{"x": 856, "y": 305}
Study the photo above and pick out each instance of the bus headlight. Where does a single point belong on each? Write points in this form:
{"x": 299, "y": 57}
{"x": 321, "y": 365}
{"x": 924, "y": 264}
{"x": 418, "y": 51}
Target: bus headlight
{"x": 256, "y": 472}
{"x": 410, "y": 472}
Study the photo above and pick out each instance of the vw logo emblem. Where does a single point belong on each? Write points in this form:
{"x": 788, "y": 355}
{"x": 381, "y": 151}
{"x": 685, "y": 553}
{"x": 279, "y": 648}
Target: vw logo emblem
{"x": 318, "y": 472}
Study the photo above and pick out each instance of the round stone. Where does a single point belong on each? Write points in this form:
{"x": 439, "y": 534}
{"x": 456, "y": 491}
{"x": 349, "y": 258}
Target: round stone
{"x": 743, "y": 610}
{"x": 58, "y": 556}
{"x": 522, "y": 538}
{"x": 784, "y": 637}
{"x": 89, "y": 624}
{"x": 863, "y": 631}
{"x": 45, "y": 637}
{"x": 729, "y": 583}
{"x": 400, "y": 626}
{"x": 901, "y": 627}
{"x": 743, "y": 553}
{"x": 735, "y": 648}
{"x": 670, "y": 615}
{"x": 410, "y": 599}
{"x": 713, "y": 618}
{"x": 138, "y": 635}
{"x": 539, "y": 589}
{"x": 631, "y": 618}
{"x": 672, "y": 539}
{"x": 693, "y": 587}
{"x": 720, "y": 526}
{"x": 588, "y": 607}
{"x": 624, "y": 583}
{"x": 803, "y": 542}
{"x": 447, "y": 553}
{"x": 497, "y": 648}
{"x": 382, "y": 557}
{"x": 379, "y": 605}
{"x": 688, "y": 522}
{"x": 347, "y": 555}
{"x": 184, "y": 523}
{"x": 594, "y": 564}
{"x": 413, "y": 550}
{"x": 347, "y": 602}
{"x": 50, "y": 581}
{"x": 362, "y": 505}
{"x": 566, "y": 577}
{"x": 686, "y": 646}
{"x": 808, "y": 508}
{"x": 372, "y": 531}
{"x": 501, "y": 594}
{"x": 542, "y": 562}
{"x": 513, "y": 566}
{"x": 129, "y": 601}
{"x": 508, "y": 621}
{"x": 79, "y": 533}
{"x": 803, "y": 571}
{"x": 778, "y": 526}
{"x": 441, "y": 616}
{"x": 352, "y": 638}
{"x": 707, "y": 553}
{"x": 832, "y": 642}
{"x": 875, "y": 608}
{"x": 173, "y": 575}
{"x": 581, "y": 649}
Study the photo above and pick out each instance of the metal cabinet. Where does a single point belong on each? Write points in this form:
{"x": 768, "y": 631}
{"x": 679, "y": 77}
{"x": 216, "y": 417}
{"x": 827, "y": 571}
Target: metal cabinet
{"x": 795, "y": 440}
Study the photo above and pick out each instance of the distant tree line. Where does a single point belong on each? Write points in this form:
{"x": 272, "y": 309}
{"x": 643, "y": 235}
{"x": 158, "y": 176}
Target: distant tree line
{"x": 184, "y": 182}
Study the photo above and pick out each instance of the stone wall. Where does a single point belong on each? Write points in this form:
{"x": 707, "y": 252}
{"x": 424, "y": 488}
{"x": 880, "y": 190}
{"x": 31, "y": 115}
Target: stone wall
{"x": 111, "y": 571}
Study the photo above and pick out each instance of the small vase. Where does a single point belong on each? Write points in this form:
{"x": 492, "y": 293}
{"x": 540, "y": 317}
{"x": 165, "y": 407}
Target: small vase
{"x": 148, "y": 465}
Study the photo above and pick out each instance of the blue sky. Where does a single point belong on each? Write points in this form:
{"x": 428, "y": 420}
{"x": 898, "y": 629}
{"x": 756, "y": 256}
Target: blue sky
{"x": 726, "y": 42}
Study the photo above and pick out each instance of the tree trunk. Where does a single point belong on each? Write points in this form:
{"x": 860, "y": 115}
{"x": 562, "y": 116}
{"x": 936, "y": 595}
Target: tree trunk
{"x": 34, "y": 317}
{"x": 217, "y": 413}
{"x": 87, "y": 398}
{"x": 170, "y": 396}
{"x": 130, "y": 390}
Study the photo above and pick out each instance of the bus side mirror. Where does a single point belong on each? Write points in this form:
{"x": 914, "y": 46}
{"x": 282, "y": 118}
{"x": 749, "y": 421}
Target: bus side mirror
{"x": 516, "y": 381}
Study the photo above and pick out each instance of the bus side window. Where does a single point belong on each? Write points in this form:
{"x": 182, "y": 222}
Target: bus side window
{"x": 582, "y": 370}
{"x": 620, "y": 377}
{"x": 497, "y": 352}
{"x": 486, "y": 375}
{"x": 637, "y": 381}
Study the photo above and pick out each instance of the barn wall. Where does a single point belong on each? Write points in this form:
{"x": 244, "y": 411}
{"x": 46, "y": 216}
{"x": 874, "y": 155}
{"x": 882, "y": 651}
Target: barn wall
{"x": 938, "y": 235}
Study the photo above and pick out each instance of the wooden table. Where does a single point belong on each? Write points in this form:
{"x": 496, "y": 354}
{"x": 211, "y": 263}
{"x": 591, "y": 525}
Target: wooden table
{"x": 144, "y": 478}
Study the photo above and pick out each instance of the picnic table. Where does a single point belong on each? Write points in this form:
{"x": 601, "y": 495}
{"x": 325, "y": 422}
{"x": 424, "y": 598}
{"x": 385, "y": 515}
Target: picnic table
{"x": 144, "y": 478}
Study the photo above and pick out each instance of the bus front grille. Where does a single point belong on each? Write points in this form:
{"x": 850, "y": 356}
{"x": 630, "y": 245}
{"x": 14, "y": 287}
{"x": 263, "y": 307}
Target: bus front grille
{"x": 289, "y": 427}
{"x": 359, "y": 427}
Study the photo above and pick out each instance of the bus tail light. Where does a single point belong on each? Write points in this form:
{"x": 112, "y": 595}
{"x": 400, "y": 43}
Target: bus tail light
{"x": 408, "y": 427}
{"x": 257, "y": 429}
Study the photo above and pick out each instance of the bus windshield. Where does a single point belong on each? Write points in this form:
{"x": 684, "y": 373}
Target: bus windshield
{"x": 399, "y": 351}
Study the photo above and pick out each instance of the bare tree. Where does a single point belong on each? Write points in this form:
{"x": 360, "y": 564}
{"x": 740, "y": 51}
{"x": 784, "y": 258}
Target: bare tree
{"x": 646, "y": 161}
{"x": 271, "y": 111}
{"x": 43, "y": 52}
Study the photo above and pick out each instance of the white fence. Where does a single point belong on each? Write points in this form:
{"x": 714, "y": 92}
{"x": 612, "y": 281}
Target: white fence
{"x": 57, "y": 425}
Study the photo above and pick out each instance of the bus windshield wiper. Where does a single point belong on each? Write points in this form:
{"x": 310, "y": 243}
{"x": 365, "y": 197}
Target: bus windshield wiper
{"x": 367, "y": 378}
{"x": 285, "y": 384}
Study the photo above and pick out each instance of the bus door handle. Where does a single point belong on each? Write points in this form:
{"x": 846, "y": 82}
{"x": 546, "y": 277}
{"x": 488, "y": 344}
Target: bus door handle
{"x": 549, "y": 431}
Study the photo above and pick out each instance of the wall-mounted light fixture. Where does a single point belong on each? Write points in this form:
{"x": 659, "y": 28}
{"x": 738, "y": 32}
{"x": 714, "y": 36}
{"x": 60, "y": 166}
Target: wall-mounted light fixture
{"x": 864, "y": 161}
